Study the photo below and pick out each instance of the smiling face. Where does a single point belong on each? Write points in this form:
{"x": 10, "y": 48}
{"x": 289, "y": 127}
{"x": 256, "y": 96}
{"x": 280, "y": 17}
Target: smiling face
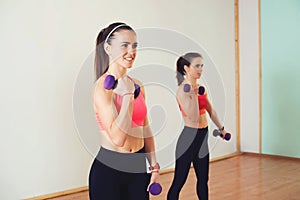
{"x": 195, "y": 68}
{"x": 122, "y": 48}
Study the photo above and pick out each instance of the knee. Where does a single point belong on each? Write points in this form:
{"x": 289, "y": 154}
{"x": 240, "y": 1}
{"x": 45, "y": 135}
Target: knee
{"x": 202, "y": 181}
{"x": 176, "y": 187}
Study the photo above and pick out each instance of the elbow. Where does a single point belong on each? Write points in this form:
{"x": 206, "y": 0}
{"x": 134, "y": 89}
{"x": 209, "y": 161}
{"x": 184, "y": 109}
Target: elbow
{"x": 117, "y": 136}
{"x": 118, "y": 141}
{"x": 209, "y": 115}
{"x": 209, "y": 112}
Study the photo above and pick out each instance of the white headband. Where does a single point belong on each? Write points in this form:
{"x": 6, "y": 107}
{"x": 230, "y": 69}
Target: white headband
{"x": 113, "y": 31}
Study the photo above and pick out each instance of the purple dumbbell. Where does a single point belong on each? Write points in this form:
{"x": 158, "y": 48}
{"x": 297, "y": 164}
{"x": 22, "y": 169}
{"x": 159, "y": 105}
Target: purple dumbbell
{"x": 201, "y": 90}
{"x": 186, "y": 87}
{"x": 155, "y": 189}
{"x": 137, "y": 90}
{"x": 217, "y": 133}
{"x": 110, "y": 82}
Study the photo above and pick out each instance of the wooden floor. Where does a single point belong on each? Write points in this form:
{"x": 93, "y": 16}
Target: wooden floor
{"x": 248, "y": 176}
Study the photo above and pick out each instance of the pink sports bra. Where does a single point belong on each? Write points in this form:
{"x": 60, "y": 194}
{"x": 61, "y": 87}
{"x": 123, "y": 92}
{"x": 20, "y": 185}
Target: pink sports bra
{"x": 202, "y": 103}
{"x": 139, "y": 110}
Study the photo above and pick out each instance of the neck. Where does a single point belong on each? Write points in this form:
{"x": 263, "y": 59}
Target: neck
{"x": 117, "y": 70}
{"x": 191, "y": 80}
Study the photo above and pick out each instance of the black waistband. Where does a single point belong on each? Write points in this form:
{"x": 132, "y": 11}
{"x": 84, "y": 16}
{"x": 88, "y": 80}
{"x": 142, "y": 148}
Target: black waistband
{"x": 126, "y": 162}
{"x": 198, "y": 129}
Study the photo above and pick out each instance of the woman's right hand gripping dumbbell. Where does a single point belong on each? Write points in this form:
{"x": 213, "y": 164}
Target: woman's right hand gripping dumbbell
{"x": 125, "y": 86}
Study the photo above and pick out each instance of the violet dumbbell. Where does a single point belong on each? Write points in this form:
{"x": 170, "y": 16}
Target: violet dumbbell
{"x": 110, "y": 82}
{"x": 155, "y": 189}
{"x": 186, "y": 87}
{"x": 217, "y": 133}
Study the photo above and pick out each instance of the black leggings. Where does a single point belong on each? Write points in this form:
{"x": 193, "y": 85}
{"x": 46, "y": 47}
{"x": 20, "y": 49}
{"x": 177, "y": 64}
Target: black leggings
{"x": 192, "y": 146}
{"x": 119, "y": 176}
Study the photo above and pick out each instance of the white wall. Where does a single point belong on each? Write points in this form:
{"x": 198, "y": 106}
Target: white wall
{"x": 44, "y": 45}
{"x": 249, "y": 75}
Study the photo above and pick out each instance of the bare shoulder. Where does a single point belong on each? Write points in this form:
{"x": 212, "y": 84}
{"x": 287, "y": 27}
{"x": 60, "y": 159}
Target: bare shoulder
{"x": 100, "y": 94}
{"x": 137, "y": 82}
{"x": 140, "y": 84}
{"x": 179, "y": 91}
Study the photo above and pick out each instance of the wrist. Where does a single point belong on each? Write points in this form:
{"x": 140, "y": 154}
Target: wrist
{"x": 154, "y": 168}
{"x": 221, "y": 129}
{"x": 128, "y": 93}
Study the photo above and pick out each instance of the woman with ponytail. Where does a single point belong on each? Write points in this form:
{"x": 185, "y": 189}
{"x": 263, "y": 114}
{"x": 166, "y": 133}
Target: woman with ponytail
{"x": 192, "y": 146}
{"x": 119, "y": 169}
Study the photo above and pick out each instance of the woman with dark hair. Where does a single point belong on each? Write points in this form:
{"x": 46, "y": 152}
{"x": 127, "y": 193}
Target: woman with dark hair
{"x": 119, "y": 169}
{"x": 192, "y": 145}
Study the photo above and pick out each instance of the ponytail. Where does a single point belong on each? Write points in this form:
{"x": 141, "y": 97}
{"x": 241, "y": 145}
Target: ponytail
{"x": 180, "y": 69}
{"x": 101, "y": 61}
{"x": 181, "y": 62}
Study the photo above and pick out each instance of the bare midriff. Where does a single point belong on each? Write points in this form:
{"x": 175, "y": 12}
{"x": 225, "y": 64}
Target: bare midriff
{"x": 202, "y": 122}
{"x": 133, "y": 143}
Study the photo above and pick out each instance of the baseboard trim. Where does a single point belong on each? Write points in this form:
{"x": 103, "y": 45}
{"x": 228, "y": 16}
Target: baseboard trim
{"x": 226, "y": 156}
{"x": 83, "y": 189}
{"x": 59, "y": 194}
{"x": 271, "y": 156}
